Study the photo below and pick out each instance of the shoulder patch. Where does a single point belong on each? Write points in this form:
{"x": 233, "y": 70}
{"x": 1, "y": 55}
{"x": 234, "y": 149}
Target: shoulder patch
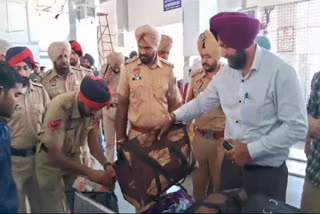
{"x": 54, "y": 124}
{"x": 196, "y": 72}
{"x": 131, "y": 60}
{"x": 166, "y": 62}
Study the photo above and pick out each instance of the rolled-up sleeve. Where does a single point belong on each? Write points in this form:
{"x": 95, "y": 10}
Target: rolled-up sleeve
{"x": 206, "y": 101}
{"x": 292, "y": 114}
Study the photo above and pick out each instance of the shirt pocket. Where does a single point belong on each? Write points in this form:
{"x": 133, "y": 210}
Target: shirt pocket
{"x": 139, "y": 92}
{"x": 161, "y": 91}
{"x": 69, "y": 143}
{"x": 251, "y": 112}
{"x": 38, "y": 111}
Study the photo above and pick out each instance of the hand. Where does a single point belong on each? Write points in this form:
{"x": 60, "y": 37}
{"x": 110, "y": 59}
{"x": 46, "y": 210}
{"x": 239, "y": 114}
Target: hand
{"x": 239, "y": 155}
{"x": 165, "y": 124}
{"x": 314, "y": 127}
{"x": 101, "y": 177}
{"x": 108, "y": 76}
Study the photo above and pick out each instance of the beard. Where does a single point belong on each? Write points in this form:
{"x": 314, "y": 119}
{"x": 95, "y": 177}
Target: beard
{"x": 25, "y": 81}
{"x": 73, "y": 62}
{"x": 238, "y": 61}
{"x": 210, "y": 68}
{"x": 147, "y": 59}
{"x": 82, "y": 110}
{"x": 62, "y": 68}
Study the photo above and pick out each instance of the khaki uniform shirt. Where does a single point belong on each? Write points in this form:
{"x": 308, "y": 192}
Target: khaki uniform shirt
{"x": 56, "y": 84}
{"x": 152, "y": 92}
{"x": 86, "y": 71}
{"x": 35, "y": 77}
{"x": 213, "y": 120}
{"x": 65, "y": 126}
{"x": 27, "y": 119}
{"x": 113, "y": 84}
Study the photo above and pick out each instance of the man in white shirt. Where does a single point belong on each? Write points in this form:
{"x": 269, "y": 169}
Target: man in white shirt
{"x": 262, "y": 100}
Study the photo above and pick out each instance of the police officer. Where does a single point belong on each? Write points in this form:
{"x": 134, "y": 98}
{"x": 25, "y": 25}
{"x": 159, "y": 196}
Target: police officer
{"x": 72, "y": 121}
{"x": 76, "y": 54}
{"x": 61, "y": 78}
{"x": 208, "y": 138}
{"x": 25, "y": 125}
{"x": 111, "y": 74}
{"x": 147, "y": 87}
{"x": 35, "y": 76}
{"x": 165, "y": 46}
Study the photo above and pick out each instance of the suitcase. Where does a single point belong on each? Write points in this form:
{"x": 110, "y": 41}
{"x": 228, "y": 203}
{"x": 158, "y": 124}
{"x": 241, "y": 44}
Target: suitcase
{"x": 228, "y": 201}
{"x": 263, "y": 204}
{"x": 146, "y": 168}
{"x": 106, "y": 199}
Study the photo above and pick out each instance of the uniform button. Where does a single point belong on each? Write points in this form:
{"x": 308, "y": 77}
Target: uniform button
{"x": 239, "y": 101}
{"x": 242, "y": 80}
{"x": 237, "y": 121}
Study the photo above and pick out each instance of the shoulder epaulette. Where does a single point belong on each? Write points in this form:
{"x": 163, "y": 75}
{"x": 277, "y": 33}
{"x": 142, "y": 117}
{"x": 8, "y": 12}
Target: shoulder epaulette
{"x": 130, "y": 60}
{"x": 166, "y": 62}
{"x": 37, "y": 84}
{"x": 47, "y": 73}
{"x": 196, "y": 72}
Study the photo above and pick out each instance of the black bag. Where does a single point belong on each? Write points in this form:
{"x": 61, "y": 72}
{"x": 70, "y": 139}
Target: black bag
{"x": 263, "y": 204}
{"x": 107, "y": 199}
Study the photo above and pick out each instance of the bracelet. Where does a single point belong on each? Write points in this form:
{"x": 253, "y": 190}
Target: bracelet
{"x": 168, "y": 116}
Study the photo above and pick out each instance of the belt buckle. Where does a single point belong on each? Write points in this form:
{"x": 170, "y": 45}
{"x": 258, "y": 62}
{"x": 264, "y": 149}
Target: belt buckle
{"x": 208, "y": 135}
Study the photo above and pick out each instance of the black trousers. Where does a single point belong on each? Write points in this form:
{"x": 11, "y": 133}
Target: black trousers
{"x": 255, "y": 179}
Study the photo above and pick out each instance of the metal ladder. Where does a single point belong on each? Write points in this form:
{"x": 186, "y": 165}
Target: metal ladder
{"x": 104, "y": 40}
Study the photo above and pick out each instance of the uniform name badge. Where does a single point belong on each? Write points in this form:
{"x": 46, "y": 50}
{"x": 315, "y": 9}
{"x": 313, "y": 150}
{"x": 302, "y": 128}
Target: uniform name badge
{"x": 136, "y": 72}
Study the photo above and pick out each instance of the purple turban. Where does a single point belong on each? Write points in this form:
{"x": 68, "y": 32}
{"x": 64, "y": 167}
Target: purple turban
{"x": 235, "y": 29}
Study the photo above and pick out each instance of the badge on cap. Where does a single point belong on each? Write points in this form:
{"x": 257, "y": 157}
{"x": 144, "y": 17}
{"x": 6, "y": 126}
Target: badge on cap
{"x": 54, "y": 124}
{"x": 53, "y": 82}
{"x": 136, "y": 72}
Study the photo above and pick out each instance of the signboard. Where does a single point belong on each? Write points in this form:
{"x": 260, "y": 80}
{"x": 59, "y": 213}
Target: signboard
{"x": 171, "y": 4}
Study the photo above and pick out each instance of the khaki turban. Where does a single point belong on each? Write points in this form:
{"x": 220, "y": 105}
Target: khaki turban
{"x": 4, "y": 46}
{"x": 149, "y": 34}
{"x": 56, "y": 48}
{"x": 115, "y": 58}
{"x": 165, "y": 43}
{"x": 207, "y": 41}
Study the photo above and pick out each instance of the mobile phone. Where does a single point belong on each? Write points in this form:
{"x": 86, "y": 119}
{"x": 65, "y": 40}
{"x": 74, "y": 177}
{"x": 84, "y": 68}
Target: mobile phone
{"x": 228, "y": 146}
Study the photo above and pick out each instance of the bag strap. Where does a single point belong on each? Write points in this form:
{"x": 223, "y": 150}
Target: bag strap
{"x": 157, "y": 168}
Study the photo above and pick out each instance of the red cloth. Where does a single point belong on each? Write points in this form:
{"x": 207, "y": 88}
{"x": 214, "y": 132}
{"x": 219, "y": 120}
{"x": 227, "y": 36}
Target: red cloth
{"x": 76, "y": 47}
{"x": 15, "y": 55}
{"x": 235, "y": 29}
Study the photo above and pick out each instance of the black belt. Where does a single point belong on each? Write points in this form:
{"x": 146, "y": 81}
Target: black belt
{"x": 256, "y": 167}
{"x": 23, "y": 152}
{"x": 114, "y": 105}
{"x": 43, "y": 148}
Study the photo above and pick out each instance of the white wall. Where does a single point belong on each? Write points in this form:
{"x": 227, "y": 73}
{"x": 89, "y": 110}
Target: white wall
{"x": 151, "y": 12}
{"x": 263, "y": 3}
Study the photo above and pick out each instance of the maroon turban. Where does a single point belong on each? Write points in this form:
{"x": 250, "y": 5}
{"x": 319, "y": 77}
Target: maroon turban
{"x": 236, "y": 30}
{"x": 95, "y": 92}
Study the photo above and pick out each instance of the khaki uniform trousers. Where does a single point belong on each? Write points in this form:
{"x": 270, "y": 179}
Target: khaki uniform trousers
{"x": 24, "y": 174}
{"x": 310, "y": 198}
{"x": 53, "y": 183}
{"x": 109, "y": 118}
{"x": 209, "y": 154}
